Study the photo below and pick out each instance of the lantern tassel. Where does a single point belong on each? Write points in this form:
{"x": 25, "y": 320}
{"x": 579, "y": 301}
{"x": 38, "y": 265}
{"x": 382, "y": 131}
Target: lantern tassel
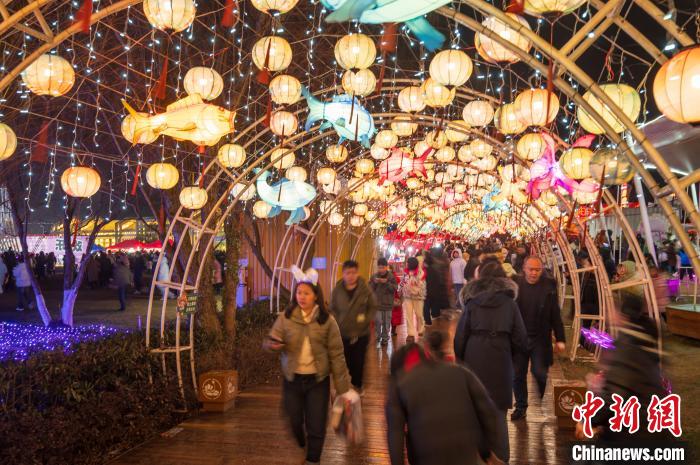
{"x": 387, "y": 45}
{"x": 571, "y": 216}
{"x": 161, "y": 87}
{"x": 268, "y": 113}
{"x": 229, "y": 19}
{"x": 516, "y": 6}
{"x": 75, "y": 233}
{"x": 84, "y": 16}
{"x": 40, "y": 152}
{"x": 136, "y": 179}
{"x": 161, "y": 217}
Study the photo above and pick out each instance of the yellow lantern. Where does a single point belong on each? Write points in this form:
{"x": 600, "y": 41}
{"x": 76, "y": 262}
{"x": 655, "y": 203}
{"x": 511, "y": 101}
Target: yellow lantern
{"x": 80, "y": 181}
{"x": 437, "y": 95}
{"x": 492, "y": 51}
{"x": 371, "y": 215}
{"x": 326, "y": 175}
{"x": 360, "y": 209}
{"x": 8, "y": 141}
{"x": 677, "y": 87}
{"x": 480, "y": 148}
{"x": 296, "y": 173}
{"x": 507, "y": 121}
{"x": 356, "y": 221}
{"x": 49, "y": 75}
{"x": 378, "y": 153}
{"x": 162, "y": 176}
{"x": 231, "y": 155}
{"x": 451, "y": 68}
{"x": 436, "y": 139}
{"x": 170, "y": 14}
{"x": 336, "y": 153}
{"x": 531, "y": 146}
{"x": 245, "y": 192}
{"x": 536, "y": 107}
{"x": 574, "y": 163}
{"x": 282, "y": 158}
{"x": 411, "y": 99}
{"x": 285, "y": 89}
{"x": 335, "y": 219}
{"x": 386, "y": 139}
{"x": 261, "y": 209}
{"x": 465, "y": 155}
{"x": 279, "y": 56}
{"x": 413, "y": 183}
{"x": 206, "y": 82}
{"x": 283, "y": 123}
{"x": 333, "y": 188}
{"x": 193, "y": 197}
{"x": 355, "y": 51}
{"x": 445, "y": 154}
{"x": 486, "y": 163}
{"x": 274, "y": 6}
{"x": 618, "y": 170}
{"x": 457, "y": 131}
{"x": 364, "y": 166}
{"x": 542, "y": 7}
{"x": 360, "y": 83}
{"x": 477, "y": 113}
{"x": 403, "y": 126}
{"x": 622, "y": 95}
{"x": 588, "y": 192}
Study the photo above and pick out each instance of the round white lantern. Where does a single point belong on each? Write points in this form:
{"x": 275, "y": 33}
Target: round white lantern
{"x": 386, "y": 139}
{"x": 8, "y": 141}
{"x": 360, "y": 83}
{"x": 457, "y": 131}
{"x": 531, "y": 146}
{"x": 296, "y": 173}
{"x": 282, "y": 158}
{"x": 326, "y": 175}
{"x": 336, "y": 153}
{"x": 193, "y": 197}
{"x": 677, "y": 87}
{"x": 364, "y": 166}
{"x": 162, "y": 176}
{"x": 356, "y": 221}
{"x": 465, "y": 154}
{"x": 170, "y": 14}
{"x": 480, "y": 148}
{"x": 206, "y": 82}
{"x": 403, "y": 126}
{"x": 80, "y": 181}
{"x": 231, "y": 155}
{"x": 492, "y": 51}
{"x": 411, "y": 99}
{"x": 285, "y": 89}
{"x": 274, "y": 6}
{"x": 477, "y": 113}
{"x": 445, "y": 154}
{"x": 283, "y": 123}
{"x": 507, "y": 120}
{"x": 246, "y": 192}
{"x": 622, "y": 95}
{"x": 437, "y": 95}
{"x": 378, "y": 153}
{"x": 355, "y": 51}
{"x": 335, "y": 219}
{"x": 279, "y": 56}
{"x": 261, "y": 209}
{"x": 49, "y": 75}
{"x": 536, "y": 107}
{"x": 360, "y": 209}
{"x": 436, "y": 139}
{"x": 451, "y": 67}
{"x": 575, "y": 162}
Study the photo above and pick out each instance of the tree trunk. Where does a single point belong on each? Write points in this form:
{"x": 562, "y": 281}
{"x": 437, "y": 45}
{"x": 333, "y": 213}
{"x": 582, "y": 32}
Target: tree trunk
{"x": 233, "y": 253}
{"x": 256, "y": 247}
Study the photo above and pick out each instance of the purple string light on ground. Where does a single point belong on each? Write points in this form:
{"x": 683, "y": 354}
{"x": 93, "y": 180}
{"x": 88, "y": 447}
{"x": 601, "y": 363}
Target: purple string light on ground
{"x": 598, "y": 338}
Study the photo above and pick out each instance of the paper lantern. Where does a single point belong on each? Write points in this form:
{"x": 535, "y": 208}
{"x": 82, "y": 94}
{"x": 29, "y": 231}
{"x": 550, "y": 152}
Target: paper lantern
{"x": 261, "y": 209}
{"x": 231, "y": 155}
{"x": 282, "y": 158}
{"x": 411, "y": 99}
{"x": 8, "y": 141}
{"x": 587, "y": 192}
{"x": 451, "y": 68}
{"x": 371, "y": 215}
{"x": 336, "y": 153}
{"x": 333, "y": 188}
{"x": 335, "y": 219}
{"x": 364, "y": 166}
{"x": 480, "y": 148}
{"x": 355, "y": 51}
{"x": 457, "y": 131}
{"x": 421, "y": 148}
{"x": 285, "y": 89}
{"x": 296, "y": 173}
{"x": 193, "y": 197}
{"x": 436, "y": 95}
{"x": 618, "y": 170}
{"x": 549, "y": 198}
{"x": 49, "y": 75}
{"x": 203, "y": 81}
{"x": 246, "y": 192}
{"x": 465, "y": 154}
{"x": 162, "y": 176}
{"x": 477, "y": 113}
{"x": 386, "y": 139}
{"x": 622, "y": 95}
{"x": 356, "y": 221}
{"x": 507, "y": 121}
{"x": 531, "y": 146}
{"x": 273, "y": 7}
{"x": 445, "y": 154}
{"x": 403, "y": 126}
{"x": 283, "y": 123}
{"x": 677, "y": 87}
{"x": 492, "y": 51}
{"x": 80, "y": 181}
{"x": 279, "y": 56}
{"x": 360, "y": 83}
{"x": 326, "y": 175}
{"x": 378, "y": 153}
{"x": 542, "y": 7}
{"x": 574, "y": 162}
{"x": 486, "y": 163}
{"x": 413, "y": 183}
{"x": 536, "y": 107}
{"x": 170, "y": 14}
{"x": 436, "y": 139}
{"x": 360, "y": 209}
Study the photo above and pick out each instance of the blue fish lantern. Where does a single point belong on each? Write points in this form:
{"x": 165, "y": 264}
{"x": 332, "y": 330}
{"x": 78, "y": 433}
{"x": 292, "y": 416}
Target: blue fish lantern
{"x": 349, "y": 119}
{"x": 285, "y": 195}
{"x": 493, "y": 205}
{"x": 409, "y": 12}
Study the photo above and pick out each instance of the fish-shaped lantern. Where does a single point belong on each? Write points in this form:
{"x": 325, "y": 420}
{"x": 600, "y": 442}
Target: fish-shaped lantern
{"x": 401, "y": 165}
{"x": 189, "y": 118}
{"x": 450, "y": 198}
{"x": 344, "y": 113}
{"x": 409, "y": 12}
{"x": 285, "y": 195}
{"x": 491, "y": 201}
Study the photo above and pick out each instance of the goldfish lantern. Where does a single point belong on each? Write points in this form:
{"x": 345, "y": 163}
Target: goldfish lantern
{"x": 437, "y": 95}
{"x": 622, "y": 95}
{"x": 403, "y": 126}
{"x": 335, "y": 219}
{"x": 296, "y": 173}
{"x": 336, "y": 153}
{"x": 492, "y": 51}
{"x": 445, "y": 154}
{"x": 360, "y": 83}
{"x": 411, "y": 99}
{"x": 465, "y": 154}
{"x": 326, "y": 175}
{"x": 272, "y": 53}
{"x": 451, "y": 68}
{"x": 80, "y": 181}
{"x": 360, "y": 209}
{"x": 618, "y": 170}
{"x": 283, "y": 123}
{"x": 8, "y": 141}
{"x": 285, "y": 89}
{"x": 170, "y": 14}
{"x": 162, "y": 176}
{"x": 243, "y": 192}
{"x": 457, "y": 131}
{"x": 355, "y": 51}
{"x": 677, "y": 87}
{"x": 536, "y": 107}
{"x": 574, "y": 162}
{"x": 531, "y": 146}
{"x": 378, "y": 153}
{"x": 49, "y": 75}
{"x": 203, "y": 81}
{"x": 282, "y": 158}
{"x": 261, "y": 209}
{"x": 413, "y": 183}
{"x": 386, "y": 139}
{"x": 193, "y": 197}
{"x": 477, "y": 113}
{"x": 559, "y": 7}
{"x": 231, "y": 155}
{"x": 364, "y": 166}
{"x": 273, "y": 7}
{"x": 480, "y": 148}
{"x": 507, "y": 120}
{"x": 356, "y": 221}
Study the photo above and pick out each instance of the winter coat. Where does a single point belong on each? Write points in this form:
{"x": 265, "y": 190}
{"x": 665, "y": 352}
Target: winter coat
{"x": 457, "y": 267}
{"x": 436, "y": 282}
{"x": 444, "y": 410}
{"x": 353, "y": 315}
{"x": 122, "y": 275}
{"x": 412, "y": 286}
{"x": 384, "y": 292}
{"x": 93, "y": 270}
{"x": 489, "y": 331}
{"x": 21, "y": 274}
{"x": 326, "y": 346}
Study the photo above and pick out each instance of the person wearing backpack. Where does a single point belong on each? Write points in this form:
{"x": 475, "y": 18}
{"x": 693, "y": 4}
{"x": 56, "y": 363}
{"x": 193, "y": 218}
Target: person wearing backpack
{"x": 412, "y": 290}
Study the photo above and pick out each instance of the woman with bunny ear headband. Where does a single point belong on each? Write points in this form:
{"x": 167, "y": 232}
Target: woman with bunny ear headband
{"x": 311, "y": 348}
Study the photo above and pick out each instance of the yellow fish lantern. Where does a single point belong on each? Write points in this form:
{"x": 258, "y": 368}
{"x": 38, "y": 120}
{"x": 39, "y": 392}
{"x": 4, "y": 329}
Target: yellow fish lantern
{"x": 189, "y": 118}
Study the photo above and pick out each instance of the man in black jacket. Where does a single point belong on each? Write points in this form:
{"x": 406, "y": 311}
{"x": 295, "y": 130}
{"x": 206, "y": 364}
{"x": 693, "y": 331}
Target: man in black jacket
{"x": 537, "y": 300}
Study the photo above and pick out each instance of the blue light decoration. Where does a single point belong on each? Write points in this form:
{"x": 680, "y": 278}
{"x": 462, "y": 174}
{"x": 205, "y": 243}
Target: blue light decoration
{"x": 409, "y": 12}
{"x": 491, "y": 204}
{"x": 285, "y": 195}
{"x": 598, "y": 338}
{"x": 19, "y": 340}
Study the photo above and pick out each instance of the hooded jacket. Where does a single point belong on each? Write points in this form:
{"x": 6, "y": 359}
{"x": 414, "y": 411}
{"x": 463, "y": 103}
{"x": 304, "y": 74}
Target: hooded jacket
{"x": 353, "y": 315}
{"x": 384, "y": 292}
{"x": 489, "y": 331}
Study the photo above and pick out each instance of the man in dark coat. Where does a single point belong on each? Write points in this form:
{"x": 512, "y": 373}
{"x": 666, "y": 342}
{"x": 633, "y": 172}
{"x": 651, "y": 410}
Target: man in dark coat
{"x": 539, "y": 307}
{"x": 383, "y": 284}
{"x": 437, "y": 296}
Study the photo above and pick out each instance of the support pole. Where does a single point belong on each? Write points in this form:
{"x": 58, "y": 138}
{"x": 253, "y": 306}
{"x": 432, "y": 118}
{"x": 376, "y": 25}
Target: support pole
{"x": 648, "y": 238}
